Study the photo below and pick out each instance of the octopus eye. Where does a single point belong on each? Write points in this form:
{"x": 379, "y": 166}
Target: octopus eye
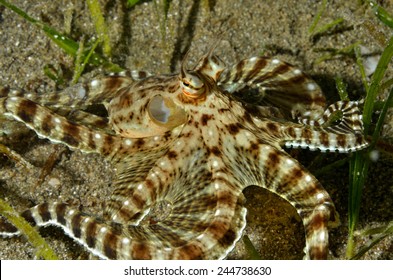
{"x": 192, "y": 86}
{"x": 158, "y": 110}
{"x": 164, "y": 112}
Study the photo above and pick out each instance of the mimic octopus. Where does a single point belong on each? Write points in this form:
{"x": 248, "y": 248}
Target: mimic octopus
{"x": 184, "y": 147}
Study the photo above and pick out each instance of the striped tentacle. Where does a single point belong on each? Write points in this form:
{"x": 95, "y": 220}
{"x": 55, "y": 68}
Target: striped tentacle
{"x": 60, "y": 130}
{"x": 195, "y": 216}
{"x": 325, "y": 140}
{"x": 136, "y": 75}
{"x": 345, "y": 136}
{"x": 286, "y": 177}
{"x": 78, "y": 96}
{"x": 261, "y": 80}
{"x": 197, "y": 209}
{"x": 350, "y": 120}
{"x": 7, "y": 91}
{"x": 204, "y": 218}
{"x": 90, "y": 120}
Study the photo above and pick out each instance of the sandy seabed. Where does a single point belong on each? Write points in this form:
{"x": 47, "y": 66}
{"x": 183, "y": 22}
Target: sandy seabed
{"x": 272, "y": 28}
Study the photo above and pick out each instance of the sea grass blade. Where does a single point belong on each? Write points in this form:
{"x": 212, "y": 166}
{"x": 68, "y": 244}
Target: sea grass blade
{"x": 42, "y": 248}
{"x": 63, "y": 41}
{"x": 250, "y": 249}
{"x": 382, "y": 65}
{"x": 359, "y": 164}
{"x": 380, "y": 232}
{"x": 132, "y": 3}
{"x": 328, "y": 26}
{"x": 101, "y": 28}
{"x": 317, "y": 17}
{"x": 82, "y": 60}
{"x": 382, "y": 14}
{"x": 341, "y": 89}
{"x": 359, "y": 62}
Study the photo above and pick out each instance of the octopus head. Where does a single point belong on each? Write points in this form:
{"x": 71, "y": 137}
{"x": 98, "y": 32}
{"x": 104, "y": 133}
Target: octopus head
{"x": 159, "y": 104}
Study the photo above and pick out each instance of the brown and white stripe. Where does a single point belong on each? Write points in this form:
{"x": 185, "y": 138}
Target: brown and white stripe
{"x": 286, "y": 177}
{"x": 197, "y": 239}
{"x": 60, "y": 130}
{"x": 346, "y": 136}
{"x": 279, "y": 83}
{"x": 79, "y": 96}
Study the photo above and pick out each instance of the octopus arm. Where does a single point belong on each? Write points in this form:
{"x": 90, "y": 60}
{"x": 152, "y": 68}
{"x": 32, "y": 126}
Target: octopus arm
{"x": 58, "y": 129}
{"x": 275, "y": 171}
{"x": 267, "y": 81}
{"x": 188, "y": 215}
